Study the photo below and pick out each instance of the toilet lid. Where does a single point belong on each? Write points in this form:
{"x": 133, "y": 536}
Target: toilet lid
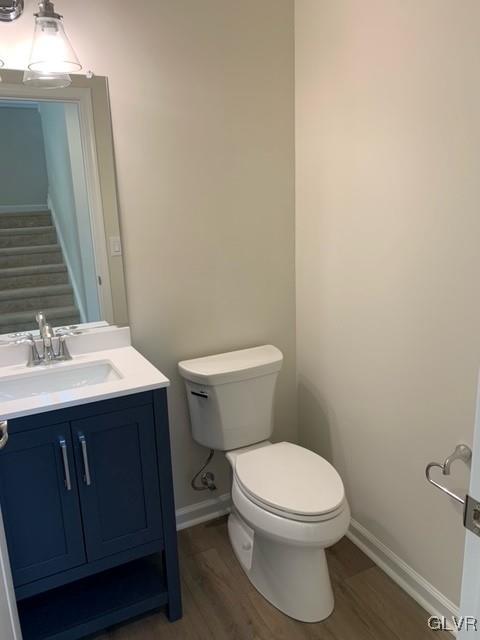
{"x": 290, "y": 478}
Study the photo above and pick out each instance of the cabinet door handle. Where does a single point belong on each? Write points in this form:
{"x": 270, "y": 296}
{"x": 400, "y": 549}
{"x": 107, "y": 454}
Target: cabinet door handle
{"x": 3, "y": 433}
{"x": 86, "y": 467}
{"x": 66, "y": 466}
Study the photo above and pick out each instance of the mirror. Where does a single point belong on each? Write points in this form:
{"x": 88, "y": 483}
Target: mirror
{"x": 60, "y": 245}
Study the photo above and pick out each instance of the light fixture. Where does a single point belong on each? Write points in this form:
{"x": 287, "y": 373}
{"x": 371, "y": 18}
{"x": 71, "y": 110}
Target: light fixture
{"x": 10, "y": 10}
{"x": 46, "y": 79}
{"x": 52, "y": 56}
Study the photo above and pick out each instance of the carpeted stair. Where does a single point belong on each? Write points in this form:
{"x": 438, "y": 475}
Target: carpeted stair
{"x": 33, "y": 275}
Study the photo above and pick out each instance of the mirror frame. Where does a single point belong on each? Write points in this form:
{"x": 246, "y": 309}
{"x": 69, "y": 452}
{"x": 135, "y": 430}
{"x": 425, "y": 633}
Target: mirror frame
{"x": 92, "y": 99}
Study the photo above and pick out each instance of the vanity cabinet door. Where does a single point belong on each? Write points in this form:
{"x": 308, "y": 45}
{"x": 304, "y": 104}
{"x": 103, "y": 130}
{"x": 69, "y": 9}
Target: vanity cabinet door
{"x": 39, "y": 498}
{"x": 118, "y": 480}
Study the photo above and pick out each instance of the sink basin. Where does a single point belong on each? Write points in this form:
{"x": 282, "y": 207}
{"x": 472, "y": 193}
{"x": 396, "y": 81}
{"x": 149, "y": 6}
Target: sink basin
{"x": 46, "y": 380}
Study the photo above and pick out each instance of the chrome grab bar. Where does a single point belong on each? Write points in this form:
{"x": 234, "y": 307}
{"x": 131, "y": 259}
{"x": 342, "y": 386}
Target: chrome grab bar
{"x": 438, "y": 485}
{"x": 462, "y": 452}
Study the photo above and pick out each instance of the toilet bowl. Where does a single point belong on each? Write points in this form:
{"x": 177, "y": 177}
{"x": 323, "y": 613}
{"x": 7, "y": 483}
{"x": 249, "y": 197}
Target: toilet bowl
{"x": 283, "y": 518}
{"x": 289, "y": 503}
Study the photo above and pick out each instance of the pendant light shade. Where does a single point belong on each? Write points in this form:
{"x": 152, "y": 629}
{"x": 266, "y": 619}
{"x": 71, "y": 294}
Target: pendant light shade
{"x": 46, "y": 80}
{"x": 51, "y": 51}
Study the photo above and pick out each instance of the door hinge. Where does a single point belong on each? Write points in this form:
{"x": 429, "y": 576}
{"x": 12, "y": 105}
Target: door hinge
{"x": 471, "y": 515}
{"x": 99, "y": 280}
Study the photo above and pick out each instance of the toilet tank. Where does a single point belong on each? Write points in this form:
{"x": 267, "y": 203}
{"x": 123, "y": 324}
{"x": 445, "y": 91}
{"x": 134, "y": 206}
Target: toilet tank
{"x": 230, "y": 396}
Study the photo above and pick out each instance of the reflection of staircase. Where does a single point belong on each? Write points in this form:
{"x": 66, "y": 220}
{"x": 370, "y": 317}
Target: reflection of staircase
{"x": 33, "y": 275}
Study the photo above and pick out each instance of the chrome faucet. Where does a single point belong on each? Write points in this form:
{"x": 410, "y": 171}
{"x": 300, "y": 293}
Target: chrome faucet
{"x": 41, "y": 321}
{"x": 47, "y": 336}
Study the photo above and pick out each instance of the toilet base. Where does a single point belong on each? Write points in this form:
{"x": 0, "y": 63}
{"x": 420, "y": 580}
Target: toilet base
{"x": 294, "y": 578}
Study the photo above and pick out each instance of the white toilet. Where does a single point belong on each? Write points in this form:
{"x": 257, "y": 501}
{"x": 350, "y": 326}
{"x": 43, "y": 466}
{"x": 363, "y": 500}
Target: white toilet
{"x": 289, "y": 503}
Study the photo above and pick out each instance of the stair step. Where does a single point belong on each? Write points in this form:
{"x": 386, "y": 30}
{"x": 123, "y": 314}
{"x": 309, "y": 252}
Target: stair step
{"x": 25, "y": 320}
{"x": 52, "y": 314}
{"x": 36, "y": 276}
{"x": 16, "y": 300}
{"x": 23, "y": 250}
{"x": 34, "y": 292}
{"x": 27, "y": 236}
{"x": 33, "y": 269}
{"x": 29, "y": 256}
{"x": 19, "y": 231}
{"x": 33, "y": 274}
{"x": 25, "y": 219}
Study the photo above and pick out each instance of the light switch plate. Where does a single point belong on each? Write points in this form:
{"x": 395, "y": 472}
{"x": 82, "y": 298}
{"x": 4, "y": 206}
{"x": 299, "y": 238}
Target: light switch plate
{"x": 115, "y": 246}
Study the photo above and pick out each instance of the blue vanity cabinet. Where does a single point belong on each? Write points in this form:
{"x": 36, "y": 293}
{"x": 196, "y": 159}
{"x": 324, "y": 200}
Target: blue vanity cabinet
{"x": 117, "y": 471}
{"x": 87, "y": 501}
{"x": 38, "y": 493}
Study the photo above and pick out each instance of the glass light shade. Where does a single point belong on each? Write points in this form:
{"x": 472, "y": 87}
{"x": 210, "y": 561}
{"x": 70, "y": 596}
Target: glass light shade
{"x": 46, "y": 80}
{"x": 51, "y": 49}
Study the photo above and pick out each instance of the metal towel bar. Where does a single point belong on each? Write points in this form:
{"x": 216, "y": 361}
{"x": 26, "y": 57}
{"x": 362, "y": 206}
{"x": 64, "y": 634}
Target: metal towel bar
{"x": 462, "y": 452}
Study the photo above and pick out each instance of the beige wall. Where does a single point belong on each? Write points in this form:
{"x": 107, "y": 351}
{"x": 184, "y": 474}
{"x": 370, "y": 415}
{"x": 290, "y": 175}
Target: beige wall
{"x": 23, "y": 176}
{"x": 202, "y": 107}
{"x": 388, "y": 259}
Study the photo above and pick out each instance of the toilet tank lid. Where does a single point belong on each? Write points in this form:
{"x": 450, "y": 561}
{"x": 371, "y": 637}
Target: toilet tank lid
{"x": 232, "y": 366}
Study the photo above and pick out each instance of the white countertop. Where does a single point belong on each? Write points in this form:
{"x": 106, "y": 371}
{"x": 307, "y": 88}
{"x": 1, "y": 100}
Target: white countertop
{"x": 111, "y": 347}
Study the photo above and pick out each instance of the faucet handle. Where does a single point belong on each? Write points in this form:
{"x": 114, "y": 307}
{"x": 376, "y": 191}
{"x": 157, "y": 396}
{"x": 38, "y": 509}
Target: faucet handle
{"x": 33, "y": 355}
{"x": 63, "y": 352}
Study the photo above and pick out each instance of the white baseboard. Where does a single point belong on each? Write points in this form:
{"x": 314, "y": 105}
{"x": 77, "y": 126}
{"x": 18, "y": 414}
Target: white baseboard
{"x": 22, "y": 208}
{"x": 203, "y": 511}
{"x": 427, "y": 596}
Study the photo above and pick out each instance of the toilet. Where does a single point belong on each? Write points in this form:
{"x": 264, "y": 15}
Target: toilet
{"x": 288, "y": 503}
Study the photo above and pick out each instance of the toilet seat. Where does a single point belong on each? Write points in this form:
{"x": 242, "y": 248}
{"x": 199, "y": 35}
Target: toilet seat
{"x": 291, "y": 482}
{"x": 286, "y": 514}
{"x": 306, "y": 533}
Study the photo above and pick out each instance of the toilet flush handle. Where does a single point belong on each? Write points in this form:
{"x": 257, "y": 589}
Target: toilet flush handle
{"x": 200, "y": 394}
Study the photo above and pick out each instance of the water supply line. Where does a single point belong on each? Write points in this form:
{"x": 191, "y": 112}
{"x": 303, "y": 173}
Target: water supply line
{"x": 207, "y": 479}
